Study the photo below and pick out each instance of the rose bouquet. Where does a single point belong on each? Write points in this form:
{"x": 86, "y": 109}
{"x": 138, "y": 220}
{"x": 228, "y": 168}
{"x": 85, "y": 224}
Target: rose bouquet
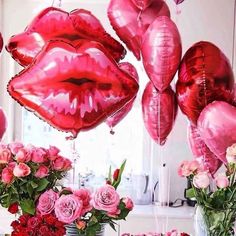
{"x": 86, "y": 210}
{"x": 218, "y": 202}
{"x": 26, "y": 172}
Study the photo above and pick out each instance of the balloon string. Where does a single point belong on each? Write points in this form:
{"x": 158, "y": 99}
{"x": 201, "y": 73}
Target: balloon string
{"x": 53, "y": 2}
{"x": 234, "y": 25}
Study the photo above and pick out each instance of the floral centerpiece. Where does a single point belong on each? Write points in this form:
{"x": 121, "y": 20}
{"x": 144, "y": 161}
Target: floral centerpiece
{"x": 26, "y": 172}
{"x": 218, "y": 201}
{"x": 86, "y": 211}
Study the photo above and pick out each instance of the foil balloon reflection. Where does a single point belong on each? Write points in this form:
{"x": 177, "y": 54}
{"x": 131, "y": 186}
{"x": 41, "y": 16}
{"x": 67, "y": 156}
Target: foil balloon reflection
{"x": 73, "y": 88}
{"x": 205, "y": 75}
{"x": 208, "y": 160}
{"x": 130, "y": 24}
{"x": 113, "y": 120}
{"x": 161, "y": 52}
{"x": 159, "y": 112}
{"x": 3, "y": 123}
{"x": 142, "y": 4}
{"x": 217, "y": 125}
{"x": 53, "y": 23}
{"x": 1, "y": 42}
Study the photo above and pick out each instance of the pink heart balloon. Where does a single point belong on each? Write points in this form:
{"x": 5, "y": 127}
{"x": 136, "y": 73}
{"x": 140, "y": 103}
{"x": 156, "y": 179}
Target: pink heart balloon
{"x": 161, "y": 52}
{"x": 201, "y": 152}
{"x": 217, "y": 125}
{"x": 130, "y": 24}
{"x": 159, "y": 112}
{"x": 142, "y": 4}
{"x": 3, "y": 123}
{"x": 113, "y": 120}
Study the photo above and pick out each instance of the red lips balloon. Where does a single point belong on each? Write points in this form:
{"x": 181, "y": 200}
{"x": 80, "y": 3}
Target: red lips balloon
{"x": 1, "y": 42}
{"x": 113, "y": 120}
{"x": 53, "y": 23}
{"x": 205, "y": 75}
{"x": 201, "y": 152}
{"x": 130, "y": 24}
{"x": 73, "y": 88}
{"x": 142, "y": 4}
{"x": 159, "y": 112}
{"x": 161, "y": 52}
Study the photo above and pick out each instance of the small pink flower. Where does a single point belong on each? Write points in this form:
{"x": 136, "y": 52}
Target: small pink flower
{"x": 7, "y": 175}
{"x": 128, "y": 203}
{"x": 114, "y": 213}
{"x": 5, "y": 155}
{"x": 222, "y": 181}
{"x": 39, "y": 155}
{"x": 68, "y": 208}
{"x": 23, "y": 155}
{"x": 183, "y": 169}
{"x": 201, "y": 180}
{"x": 106, "y": 198}
{"x": 42, "y": 172}
{"x": 46, "y": 202}
{"x": 21, "y": 170}
{"x": 85, "y": 196}
{"x": 15, "y": 147}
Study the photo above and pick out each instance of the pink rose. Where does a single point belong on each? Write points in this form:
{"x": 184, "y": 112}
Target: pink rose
{"x": 128, "y": 203}
{"x": 115, "y": 213}
{"x": 39, "y": 155}
{"x": 222, "y": 181}
{"x": 53, "y": 152}
{"x": 12, "y": 165}
{"x": 201, "y": 180}
{"x": 5, "y": 155}
{"x": 15, "y": 147}
{"x": 85, "y": 196}
{"x": 68, "y": 208}
{"x": 61, "y": 164}
{"x": 21, "y": 170}
{"x": 172, "y": 233}
{"x": 42, "y": 172}
{"x": 23, "y": 155}
{"x": 46, "y": 202}
{"x": 67, "y": 164}
{"x": 184, "y": 169}
{"x": 194, "y": 166}
{"x": 7, "y": 175}
{"x": 106, "y": 198}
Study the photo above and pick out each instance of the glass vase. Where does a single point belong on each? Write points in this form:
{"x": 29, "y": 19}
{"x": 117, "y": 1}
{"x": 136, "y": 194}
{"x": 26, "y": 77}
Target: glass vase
{"x": 71, "y": 230}
{"x": 211, "y": 222}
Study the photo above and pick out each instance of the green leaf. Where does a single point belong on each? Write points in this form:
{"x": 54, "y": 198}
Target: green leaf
{"x": 116, "y": 183}
{"x": 109, "y": 175}
{"x": 27, "y": 206}
{"x": 112, "y": 226}
{"x": 33, "y": 184}
{"x": 190, "y": 193}
{"x": 30, "y": 189}
{"x": 42, "y": 184}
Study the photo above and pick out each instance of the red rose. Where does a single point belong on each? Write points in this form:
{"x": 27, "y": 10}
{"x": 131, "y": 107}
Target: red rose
{"x": 23, "y": 219}
{"x": 34, "y": 222}
{"x": 50, "y": 219}
{"x": 43, "y": 230}
{"x": 15, "y": 224}
{"x": 116, "y": 174}
{"x": 13, "y": 208}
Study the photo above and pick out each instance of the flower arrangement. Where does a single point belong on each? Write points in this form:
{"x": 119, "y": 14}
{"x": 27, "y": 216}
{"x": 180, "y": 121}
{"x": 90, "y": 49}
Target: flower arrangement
{"x": 216, "y": 195}
{"x": 86, "y": 210}
{"x": 26, "y": 172}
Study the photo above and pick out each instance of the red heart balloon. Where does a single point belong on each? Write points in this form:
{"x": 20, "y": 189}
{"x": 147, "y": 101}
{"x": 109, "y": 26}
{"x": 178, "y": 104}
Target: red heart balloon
{"x": 130, "y": 24}
{"x": 53, "y": 23}
{"x": 113, "y": 120}
{"x": 142, "y": 4}
{"x": 1, "y": 42}
{"x": 159, "y": 112}
{"x": 73, "y": 88}
{"x": 217, "y": 125}
{"x": 3, "y": 123}
{"x": 205, "y": 75}
{"x": 201, "y": 152}
{"x": 161, "y": 52}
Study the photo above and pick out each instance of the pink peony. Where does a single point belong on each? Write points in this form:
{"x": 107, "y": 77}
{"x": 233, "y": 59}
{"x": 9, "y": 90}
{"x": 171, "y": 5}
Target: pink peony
{"x": 42, "y": 172}
{"x": 85, "y": 196}
{"x": 201, "y": 180}
{"x": 39, "y": 155}
{"x": 23, "y": 155}
{"x": 21, "y": 170}
{"x": 46, "y": 202}
{"x": 7, "y": 175}
{"x": 68, "y": 208}
{"x": 128, "y": 203}
{"x": 106, "y": 198}
{"x": 15, "y": 147}
{"x": 222, "y": 181}
{"x": 5, "y": 155}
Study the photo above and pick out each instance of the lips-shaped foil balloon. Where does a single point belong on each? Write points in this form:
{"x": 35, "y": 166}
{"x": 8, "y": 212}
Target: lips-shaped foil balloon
{"x": 217, "y": 125}
{"x": 73, "y": 88}
{"x": 142, "y": 4}
{"x": 1, "y": 42}
{"x": 161, "y": 52}
{"x": 205, "y": 75}
{"x": 130, "y": 24}
{"x": 159, "y": 112}
{"x": 201, "y": 152}
{"x": 113, "y": 120}
{"x": 53, "y": 23}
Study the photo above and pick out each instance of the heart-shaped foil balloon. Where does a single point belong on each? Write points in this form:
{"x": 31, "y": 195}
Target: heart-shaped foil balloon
{"x": 1, "y": 42}
{"x": 142, "y": 4}
{"x": 73, "y": 88}
{"x": 53, "y": 23}
{"x": 131, "y": 24}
